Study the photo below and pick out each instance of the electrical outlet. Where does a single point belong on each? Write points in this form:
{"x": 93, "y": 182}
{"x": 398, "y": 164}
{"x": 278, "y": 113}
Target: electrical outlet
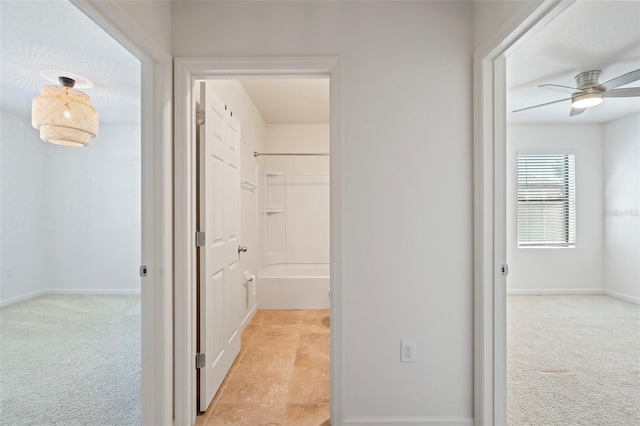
{"x": 407, "y": 350}
{"x": 9, "y": 272}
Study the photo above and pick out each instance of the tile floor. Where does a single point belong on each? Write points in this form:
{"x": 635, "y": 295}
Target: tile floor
{"x": 281, "y": 376}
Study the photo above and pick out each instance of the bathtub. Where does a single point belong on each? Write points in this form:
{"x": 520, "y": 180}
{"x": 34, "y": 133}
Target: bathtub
{"x": 293, "y": 286}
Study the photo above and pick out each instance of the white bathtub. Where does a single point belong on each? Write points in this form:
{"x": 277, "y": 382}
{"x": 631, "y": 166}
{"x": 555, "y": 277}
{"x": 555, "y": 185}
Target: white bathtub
{"x": 294, "y": 286}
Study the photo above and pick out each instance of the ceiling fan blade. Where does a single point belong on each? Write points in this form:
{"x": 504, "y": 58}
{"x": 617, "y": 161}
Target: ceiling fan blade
{"x": 576, "y": 111}
{"x": 622, "y": 93}
{"x": 621, "y": 80}
{"x": 559, "y": 88}
{"x": 541, "y": 105}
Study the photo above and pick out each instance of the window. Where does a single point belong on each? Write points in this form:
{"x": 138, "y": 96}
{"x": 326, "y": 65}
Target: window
{"x": 546, "y": 200}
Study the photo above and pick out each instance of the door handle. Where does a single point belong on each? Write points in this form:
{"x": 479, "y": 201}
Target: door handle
{"x": 242, "y": 249}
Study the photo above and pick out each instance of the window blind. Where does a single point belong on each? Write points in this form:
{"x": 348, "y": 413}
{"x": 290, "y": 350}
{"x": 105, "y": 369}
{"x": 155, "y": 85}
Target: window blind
{"x": 546, "y": 200}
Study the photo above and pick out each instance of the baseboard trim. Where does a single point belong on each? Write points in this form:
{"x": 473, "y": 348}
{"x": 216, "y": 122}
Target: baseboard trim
{"x": 413, "y": 421}
{"x": 13, "y": 300}
{"x": 561, "y": 291}
{"x": 248, "y": 317}
{"x": 22, "y": 298}
{"x": 624, "y": 297}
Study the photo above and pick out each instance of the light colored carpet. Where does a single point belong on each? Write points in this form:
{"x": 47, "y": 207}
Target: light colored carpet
{"x": 70, "y": 360}
{"x": 573, "y": 360}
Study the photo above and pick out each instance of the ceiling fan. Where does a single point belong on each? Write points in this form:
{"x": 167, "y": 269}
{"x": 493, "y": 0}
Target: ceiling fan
{"x": 589, "y": 92}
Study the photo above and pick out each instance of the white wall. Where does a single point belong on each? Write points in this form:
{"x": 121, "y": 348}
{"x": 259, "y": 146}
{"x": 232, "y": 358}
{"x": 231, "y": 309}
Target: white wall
{"x": 622, "y": 207}
{"x": 491, "y": 18}
{"x": 70, "y": 217}
{"x": 93, "y": 213}
{"x": 23, "y": 182}
{"x": 305, "y": 138}
{"x": 559, "y": 270}
{"x": 307, "y": 219}
{"x": 407, "y": 231}
{"x": 252, "y": 136}
{"x": 153, "y": 17}
{"x": 299, "y": 234}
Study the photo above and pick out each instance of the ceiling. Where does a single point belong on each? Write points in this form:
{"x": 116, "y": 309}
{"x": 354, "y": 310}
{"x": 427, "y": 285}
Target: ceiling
{"x": 40, "y": 35}
{"x": 290, "y": 101}
{"x": 589, "y": 35}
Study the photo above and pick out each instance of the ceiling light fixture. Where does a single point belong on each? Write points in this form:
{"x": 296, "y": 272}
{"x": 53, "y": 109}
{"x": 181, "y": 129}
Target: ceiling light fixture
{"x": 64, "y": 115}
{"x": 586, "y": 99}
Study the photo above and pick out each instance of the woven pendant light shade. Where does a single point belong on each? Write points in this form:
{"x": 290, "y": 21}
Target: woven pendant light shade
{"x": 64, "y": 116}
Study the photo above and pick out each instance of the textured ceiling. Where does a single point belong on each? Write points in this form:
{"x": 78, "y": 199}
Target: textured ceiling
{"x": 38, "y": 35}
{"x": 290, "y": 101}
{"x": 589, "y": 35}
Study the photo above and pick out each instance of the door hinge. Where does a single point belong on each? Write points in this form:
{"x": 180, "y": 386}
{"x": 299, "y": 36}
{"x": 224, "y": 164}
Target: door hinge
{"x": 200, "y": 239}
{"x": 200, "y": 118}
{"x": 143, "y": 270}
{"x": 200, "y": 360}
{"x": 504, "y": 269}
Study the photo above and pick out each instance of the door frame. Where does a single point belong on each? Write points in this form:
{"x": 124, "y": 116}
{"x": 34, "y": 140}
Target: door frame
{"x": 490, "y": 242}
{"x": 186, "y": 72}
{"x": 156, "y": 216}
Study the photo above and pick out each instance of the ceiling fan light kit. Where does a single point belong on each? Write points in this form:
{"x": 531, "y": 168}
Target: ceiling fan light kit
{"x": 586, "y": 100}
{"x": 589, "y": 92}
{"x": 64, "y": 115}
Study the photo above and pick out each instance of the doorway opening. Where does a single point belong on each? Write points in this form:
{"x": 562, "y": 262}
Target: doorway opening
{"x": 244, "y": 72}
{"x": 262, "y": 299}
{"x": 568, "y": 269}
{"x": 491, "y": 214}
{"x": 71, "y": 232}
{"x": 156, "y": 394}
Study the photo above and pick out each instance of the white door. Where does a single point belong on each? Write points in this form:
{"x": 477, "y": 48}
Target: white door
{"x": 220, "y": 278}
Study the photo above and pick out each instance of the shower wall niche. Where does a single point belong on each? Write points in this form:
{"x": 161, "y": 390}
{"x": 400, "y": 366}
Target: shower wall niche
{"x": 274, "y": 216}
